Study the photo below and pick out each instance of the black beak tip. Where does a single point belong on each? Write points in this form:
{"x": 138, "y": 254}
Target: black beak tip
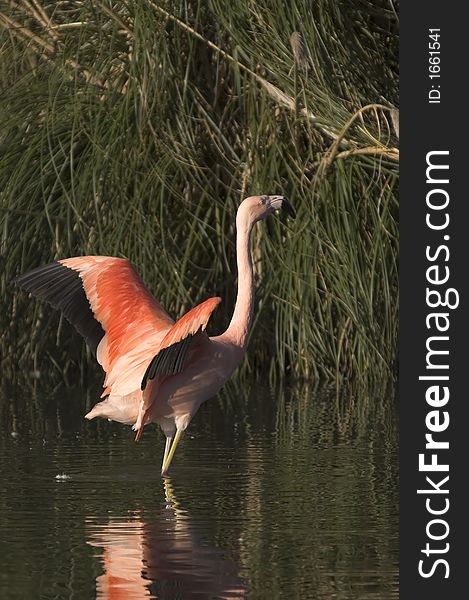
{"x": 288, "y": 208}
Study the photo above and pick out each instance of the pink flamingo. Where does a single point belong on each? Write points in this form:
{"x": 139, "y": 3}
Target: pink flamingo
{"x": 157, "y": 370}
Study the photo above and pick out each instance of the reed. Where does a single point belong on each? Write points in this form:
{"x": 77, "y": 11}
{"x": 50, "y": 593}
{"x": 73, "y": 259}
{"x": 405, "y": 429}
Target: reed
{"x": 135, "y": 129}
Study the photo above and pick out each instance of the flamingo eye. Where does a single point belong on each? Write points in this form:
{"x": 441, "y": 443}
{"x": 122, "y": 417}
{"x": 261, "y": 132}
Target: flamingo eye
{"x": 264, "y": 199}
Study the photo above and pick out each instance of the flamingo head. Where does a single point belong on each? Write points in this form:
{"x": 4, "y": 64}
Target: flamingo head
{"x": 260, "y": 207}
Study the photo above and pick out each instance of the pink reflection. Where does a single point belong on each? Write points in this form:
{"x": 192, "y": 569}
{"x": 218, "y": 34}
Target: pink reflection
{"x": 122, "y": 559}
{"x": 167, "y": 555}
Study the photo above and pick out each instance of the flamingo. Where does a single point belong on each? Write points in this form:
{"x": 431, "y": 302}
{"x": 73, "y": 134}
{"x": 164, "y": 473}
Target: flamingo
{"x": 157, "y": 370}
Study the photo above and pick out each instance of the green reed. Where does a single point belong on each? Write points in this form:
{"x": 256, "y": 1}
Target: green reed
{"x": 135, "y": 129}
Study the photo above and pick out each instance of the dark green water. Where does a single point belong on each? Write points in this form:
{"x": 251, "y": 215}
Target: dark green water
{"x": 278, "y": 495}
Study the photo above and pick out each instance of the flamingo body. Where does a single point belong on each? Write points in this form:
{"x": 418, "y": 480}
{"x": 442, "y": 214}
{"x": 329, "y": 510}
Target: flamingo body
{"x": 157, "y": 370}
{"x": 209, "y": 366}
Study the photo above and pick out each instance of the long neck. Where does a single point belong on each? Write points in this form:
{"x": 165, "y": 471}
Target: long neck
{"x": 238, "y": 329}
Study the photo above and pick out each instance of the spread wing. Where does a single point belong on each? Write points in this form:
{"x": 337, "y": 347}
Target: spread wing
{"x": 175, "y": 346}
{"x": 109, "y": 305}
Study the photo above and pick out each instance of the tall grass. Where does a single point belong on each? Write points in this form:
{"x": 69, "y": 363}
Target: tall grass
{"x": 135, "y": 129}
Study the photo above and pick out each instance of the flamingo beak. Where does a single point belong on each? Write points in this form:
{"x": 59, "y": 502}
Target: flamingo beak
{"x": 288, "y": 208}
{"x": 282, "y": 203}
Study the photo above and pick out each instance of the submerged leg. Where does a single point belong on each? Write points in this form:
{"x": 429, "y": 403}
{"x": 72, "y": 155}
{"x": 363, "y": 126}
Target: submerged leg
{"x": 167, "y": 447}
{"x": 169, "y": 458}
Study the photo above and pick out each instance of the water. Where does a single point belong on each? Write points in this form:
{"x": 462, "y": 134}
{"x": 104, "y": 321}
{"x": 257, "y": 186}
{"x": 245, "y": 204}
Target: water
{"x": 285, "y": 495}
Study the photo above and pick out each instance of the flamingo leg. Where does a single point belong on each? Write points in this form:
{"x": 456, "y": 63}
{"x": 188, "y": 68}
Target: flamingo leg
{"x": 166, "y": 451}
{"x": 169, "y": 458}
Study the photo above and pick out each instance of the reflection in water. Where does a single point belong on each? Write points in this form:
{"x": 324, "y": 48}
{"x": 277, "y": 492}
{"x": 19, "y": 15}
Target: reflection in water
{"x": 122, "y": 544}
{"x": 299, "y": 488}
{"x": 164, "y": 558}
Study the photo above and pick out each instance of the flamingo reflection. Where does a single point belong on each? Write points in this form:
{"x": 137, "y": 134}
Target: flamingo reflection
{"x": 163, "y": 558}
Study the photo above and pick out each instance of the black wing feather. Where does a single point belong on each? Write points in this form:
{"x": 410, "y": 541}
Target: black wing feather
{"x": 169, "y": 361}
{"x": 63, "y": 289}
